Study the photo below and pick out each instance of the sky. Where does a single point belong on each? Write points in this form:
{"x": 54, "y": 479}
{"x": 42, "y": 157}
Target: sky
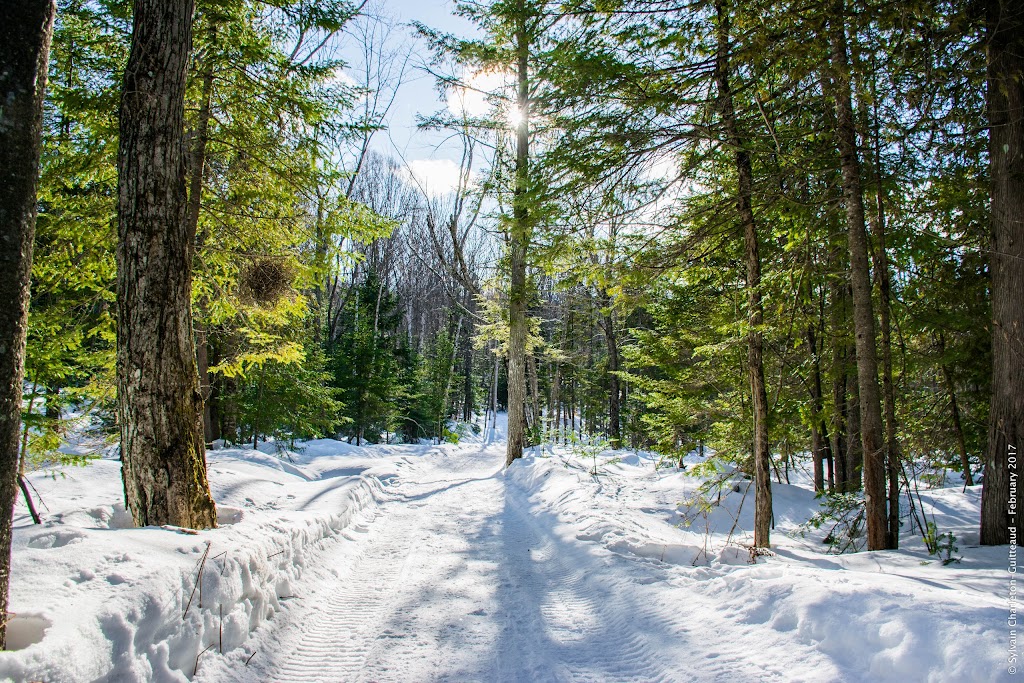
{"x": 427, "y": 158}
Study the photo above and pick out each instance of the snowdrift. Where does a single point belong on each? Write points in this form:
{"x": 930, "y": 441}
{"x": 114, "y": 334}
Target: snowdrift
{"x": 98, "y": 600}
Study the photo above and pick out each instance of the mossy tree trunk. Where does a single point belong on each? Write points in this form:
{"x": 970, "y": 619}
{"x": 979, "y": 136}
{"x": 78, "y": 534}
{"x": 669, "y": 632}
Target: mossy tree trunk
{"x": 160, "y": 406}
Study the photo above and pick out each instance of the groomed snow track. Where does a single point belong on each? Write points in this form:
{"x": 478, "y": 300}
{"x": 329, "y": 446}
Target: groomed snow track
{"x": 456, "y": 580}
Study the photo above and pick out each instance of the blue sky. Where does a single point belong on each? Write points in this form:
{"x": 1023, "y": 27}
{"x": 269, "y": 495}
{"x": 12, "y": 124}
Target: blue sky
{"x": 418, "y": 95}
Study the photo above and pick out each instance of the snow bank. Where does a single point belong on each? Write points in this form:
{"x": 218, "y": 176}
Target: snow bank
{"x": 881, "y": 616}
{"x": 98, "y": 600}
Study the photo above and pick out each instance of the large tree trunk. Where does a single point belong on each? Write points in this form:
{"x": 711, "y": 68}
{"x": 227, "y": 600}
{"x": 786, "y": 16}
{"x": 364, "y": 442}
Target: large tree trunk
{"x": 24, "y": 59}
{"x": 1006, "y": 171}
{"x": 518, "y": 244}
{"x": 159, "y": 402}
{"x": 755, "y": 311}
{"x": 860, "y": 275}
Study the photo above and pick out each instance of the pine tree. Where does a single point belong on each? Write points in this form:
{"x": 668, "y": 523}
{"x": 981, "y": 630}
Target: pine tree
{"x": 367, "y": 361}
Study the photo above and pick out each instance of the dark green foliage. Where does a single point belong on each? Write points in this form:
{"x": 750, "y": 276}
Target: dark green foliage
{"x": 632, "y": 230}
{"x": 366, "y": 362}
{"x": 290, "y": 401}
{"x": 842, "y": 515}
{"x": 437, "y": 378}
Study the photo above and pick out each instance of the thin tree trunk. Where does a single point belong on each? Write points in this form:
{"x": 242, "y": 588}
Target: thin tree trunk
{"x": 28, "y": 500}
{"x": 197, "y": 161}
{"x": 24, "y": 60}
{"x": 23, "y": 457}
{"x": 197, "y": 167}
{"x": 880, "y": 261}
{"x": 467, "y": 364}
{"x": 839, "y": 320}
{"x": 839, "y": 430}
{"x": 1006, "y": 172}
{"x": 614, "y": 383}
{"x": 211, "y": 405}
{"x": 854, "y": 447}
{"x": 531, "y": 370}
{"x": 205, "y": 385}
{"x": 961, "y": 442}
{"x": 229, "y": 410}
{"x": 259, "y": 406}
{"x": 451, "y": 372}
{"x": 554, "y": 405}
{"x": 829, "y": 454}
{"x": 755, "y": 311}
{"x": 863, "y": 311}
{"x": 817, "y": 449}
{"x": 159, "y": 402}
{"x": 494, "y": 395}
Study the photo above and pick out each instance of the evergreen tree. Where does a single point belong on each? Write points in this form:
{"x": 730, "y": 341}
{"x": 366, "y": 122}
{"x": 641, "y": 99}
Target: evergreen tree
{"x": 366, "y": 362}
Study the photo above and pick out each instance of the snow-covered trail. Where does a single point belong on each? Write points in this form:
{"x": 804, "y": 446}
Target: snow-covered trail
{"x": 458, "y": 578}
{"x": 454, "y": 580}
{"x": 418, "y": 563}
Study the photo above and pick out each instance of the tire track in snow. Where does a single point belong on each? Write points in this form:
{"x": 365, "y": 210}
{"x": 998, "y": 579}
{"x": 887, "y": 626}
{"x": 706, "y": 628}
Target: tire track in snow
{"x": 329, "y": 638}
{"x": 462, "y": 579}
{"x": 589, "y": 633}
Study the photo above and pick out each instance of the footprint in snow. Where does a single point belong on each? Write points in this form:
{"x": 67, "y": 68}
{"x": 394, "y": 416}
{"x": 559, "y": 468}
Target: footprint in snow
{"x": 56, "y": 539}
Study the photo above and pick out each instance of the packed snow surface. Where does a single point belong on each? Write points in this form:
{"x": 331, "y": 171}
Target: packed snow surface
{"x": 434, "y": 563}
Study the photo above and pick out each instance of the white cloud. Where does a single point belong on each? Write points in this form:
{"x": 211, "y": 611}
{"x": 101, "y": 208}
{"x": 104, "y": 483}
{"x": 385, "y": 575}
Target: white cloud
{"x": 343, "y": 77}
{"x": 435, "y": 177}
{"x": 472, "y": 100}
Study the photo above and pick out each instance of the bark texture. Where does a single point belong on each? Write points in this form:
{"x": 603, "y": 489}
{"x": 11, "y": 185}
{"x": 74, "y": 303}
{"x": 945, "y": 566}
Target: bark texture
{"x": 869, "y": 393}
{"x": 159, "y": 402}
{"x": 24, "y": 57}
{"x": 880, "y": 260}
{"x": 519, "y": 241}
{"x": 839, "y": 370}
{"x": 1006, "y": 171}
{"x": 755, "y": 309}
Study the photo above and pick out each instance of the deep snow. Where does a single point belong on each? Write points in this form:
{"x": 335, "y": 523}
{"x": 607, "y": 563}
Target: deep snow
{"x": 424, "y": 563}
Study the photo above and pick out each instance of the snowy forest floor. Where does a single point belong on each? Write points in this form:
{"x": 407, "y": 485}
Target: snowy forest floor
{"x": 433, "y": 563}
